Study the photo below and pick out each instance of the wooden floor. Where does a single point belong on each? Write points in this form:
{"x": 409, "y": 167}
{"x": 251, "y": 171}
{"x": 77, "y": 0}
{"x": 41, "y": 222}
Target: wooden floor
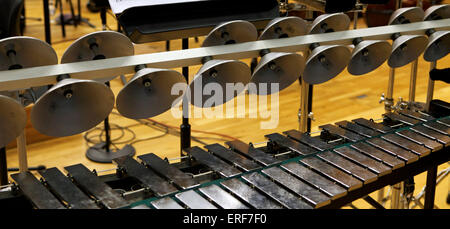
{"x": 343, "y": 98}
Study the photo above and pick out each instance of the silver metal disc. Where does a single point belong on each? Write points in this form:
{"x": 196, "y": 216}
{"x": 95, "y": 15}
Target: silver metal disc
{"x": 438, "y": 46}
{"x": 437, "y": 12}
{"x": 325, "y": 63}
{"x": 213, "y": 78}
{"x": 277, "y": 68}
{"x": 110, "y": 45}
{"x": 148, "y": 93}
{"x": 406, "y": 48}
{"x": 232, "y": 32}
{"x": 368, "y": 56}
{"x": 29, "y": 52}
{"x": 284, "y": 27}
{"x": 406, "y": 15}
{"x": 13, "y": 120}
{"x": 330, "y": 23}
{"x": 71, "y": 107}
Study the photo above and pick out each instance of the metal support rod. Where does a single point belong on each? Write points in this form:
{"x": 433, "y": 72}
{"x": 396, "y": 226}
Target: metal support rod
{"x": 304, "y": 111}
{"x": 396, "y": 202}
{"x": 3, "y": 167}
{"x": 430, "y": 189}
{"x": 48, "y": 35}
{"x": 98, "y": 69}
{"x": 22, "y": 151}
{"x": 380, "y": 195}
{"x": 389, "y": 102}
{"x": 185, "y": 128}
{"x": 413, "y": 81}
{"x": 430, "y": 90}
{"x": 61, "y": 18}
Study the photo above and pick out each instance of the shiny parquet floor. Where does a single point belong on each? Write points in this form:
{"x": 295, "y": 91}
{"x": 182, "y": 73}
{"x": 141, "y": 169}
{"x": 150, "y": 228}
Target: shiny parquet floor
{"x": 344, "y": 98}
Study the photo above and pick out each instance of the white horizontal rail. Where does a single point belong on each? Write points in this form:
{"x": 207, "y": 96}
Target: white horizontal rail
{"x": 96, "y": 69}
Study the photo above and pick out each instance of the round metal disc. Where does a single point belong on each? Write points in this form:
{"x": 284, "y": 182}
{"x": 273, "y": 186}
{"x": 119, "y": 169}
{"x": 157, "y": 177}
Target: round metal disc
{"x": 284, "y": 27}
{"x": 232, "y": 32}
{"x": 277, "y": 68}
{"x": 325, "y": 63}
{"x": 406, "y": 15}
{"x": 214, "y": 76}
{"x": 330, "y": 23}
{"x": 368, "y": 56}
{"x": 71, "y": 107}
{"x": 437, "y": 12}
{"x": 110, "y": 45}
{"x": 405, "y": 49}
{"x": 438, "y": 46}
{"x": 30, "y": 52}
{"x": 148, "y": 93}
{"x": 13, "y": 120}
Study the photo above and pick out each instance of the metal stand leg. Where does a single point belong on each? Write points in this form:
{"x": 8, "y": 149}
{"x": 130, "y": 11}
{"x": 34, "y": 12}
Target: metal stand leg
{"x": 102, "y": 152}
{"x": 389, "y": 101}
{"x": 22, "y": 150}
{"x": 396, "y": 202}
{"x": 430, "y": 90}
{"x": 3, "y": 167}
{"x": 185, "y": 128}
{"x": 48, "y": 36}
{"x": 381, "y": 195}
{"x": 412, "y": 83}
{"x": 431, "y": 188}
{"x": 304, "y": 111}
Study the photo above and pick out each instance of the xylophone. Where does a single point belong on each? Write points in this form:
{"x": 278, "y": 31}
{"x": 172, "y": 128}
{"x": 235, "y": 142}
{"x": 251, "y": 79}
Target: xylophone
{"x": 295, "y": 170}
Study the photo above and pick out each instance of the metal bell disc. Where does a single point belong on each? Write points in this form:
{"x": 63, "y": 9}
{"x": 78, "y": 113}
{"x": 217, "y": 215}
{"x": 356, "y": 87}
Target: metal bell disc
{"x": 437, "y": 12}
{"x": 368, "y": 56}
{"x": 148, "y": 93}
{"x": 233, "y": 32}
{"x": 277, "y": 68}
{"x": 13, "y": 120}
{"x": 29, "y": 52}
{"x": 71, "y": 107}
{"x": 110, "y": 45}
{"x": 284, "y": 27}
{"x": 405, "y": 49}
{"x": 334, "y": 23}
{"x": 411, "y": 14}
{"x": 218, "y": 73}
{"x": 325, "y": 63}
{"x": 438, "y": 46}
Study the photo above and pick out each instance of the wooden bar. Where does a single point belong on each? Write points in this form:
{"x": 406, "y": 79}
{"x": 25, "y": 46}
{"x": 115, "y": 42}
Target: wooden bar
{"x": 316, "y": 180}
{"x": 35, "y": 191}
{"x": 379, "y": 155}
{"x": 311, "y": 195}
{"x": 94, "y": 186}
{"x": 292, "y": 145}
{"x": 165, "y": 169}
{"x": 213, "y": 162}
{"x": 308, "y": 140}
{"x": 66, "y": 190}
{"x": 222, "y": 198}
{"x": 232, "y": 157}
{"x": 349, "y": 182}
{"x": 349, "y": 167}
{"x": 249, "y": 195}
{"x": 275, "y": 191}
{"x": 353, "y": 155}
{"x": 146, "y": 176}
{"x": 253, "y": 153}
